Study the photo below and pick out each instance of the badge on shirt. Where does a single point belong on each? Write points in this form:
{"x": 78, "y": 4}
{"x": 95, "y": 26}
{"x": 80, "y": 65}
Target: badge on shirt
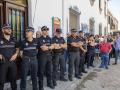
{"x": 26, "y": 44}
{"x": 43, "y": 40}
{"x": 56, "y": 40}
{"x": 1, "y": 42}
{"x": 35, "y": 44}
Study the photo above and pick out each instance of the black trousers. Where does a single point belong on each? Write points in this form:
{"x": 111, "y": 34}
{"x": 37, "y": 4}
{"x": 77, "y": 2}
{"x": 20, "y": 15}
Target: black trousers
{"x": 73, "y": 62}
{"x": 44, "y": 66}
{"x": 8, "y": 69}
{"x": 58, "y": 64}
{"x": 90, "y": 59}
{"x": 81, "y": 64}
{"x": 29, "y": 64}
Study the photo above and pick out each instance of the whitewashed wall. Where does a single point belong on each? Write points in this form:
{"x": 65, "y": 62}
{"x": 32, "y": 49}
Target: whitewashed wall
{"x": 46, "y": 9}
{"x": 88, "y": 11}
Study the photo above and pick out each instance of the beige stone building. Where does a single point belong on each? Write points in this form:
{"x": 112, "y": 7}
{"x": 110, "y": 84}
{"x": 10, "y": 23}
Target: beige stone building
{"x": 112, "y": 23}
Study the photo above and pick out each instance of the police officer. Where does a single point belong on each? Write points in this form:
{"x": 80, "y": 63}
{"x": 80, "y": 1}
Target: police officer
{"x": 8, "y": 54}
{"x": 74, "y": 56}
{"x": 29, "y": 60}
{"x": 45, "y": 58}
{"x": 58, "y": 57}
{"x": 83, "y": 50}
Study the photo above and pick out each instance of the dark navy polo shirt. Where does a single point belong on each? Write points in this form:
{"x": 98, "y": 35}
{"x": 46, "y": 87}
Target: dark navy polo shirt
{"x": 44, "y": 41}
{"x": 70, "y": 47}
{"x": 8, "y": 47}
{"x": 29, "y": 48}
{"x": 83, "y": 40}
{"x": 59, "y": 41}
{"x": 90, "y": 49}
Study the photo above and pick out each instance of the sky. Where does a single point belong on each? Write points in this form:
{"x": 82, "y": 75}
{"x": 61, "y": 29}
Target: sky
{"x": 114, "y": 6}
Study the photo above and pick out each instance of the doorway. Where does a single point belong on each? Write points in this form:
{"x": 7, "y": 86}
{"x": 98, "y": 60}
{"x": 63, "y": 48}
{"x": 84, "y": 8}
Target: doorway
{"x": 74, "y": 19}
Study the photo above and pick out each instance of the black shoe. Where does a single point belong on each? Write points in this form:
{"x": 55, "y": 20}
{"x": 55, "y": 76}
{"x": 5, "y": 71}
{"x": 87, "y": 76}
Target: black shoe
{"x": 51, "y": 86}
{"x": 41, "y": 89}
{"x": 78, "y": 76}
{"x": 54, "y": 83}
{"x": 70, "y": 78}
{"x": 85, "y": 72}
{"x": 81, "y": 74}
{"x": 92, "y": 66}
{"x": 63, "y": 79}
{"x": 114, "y": 63}
{"x": 106, "y": 67}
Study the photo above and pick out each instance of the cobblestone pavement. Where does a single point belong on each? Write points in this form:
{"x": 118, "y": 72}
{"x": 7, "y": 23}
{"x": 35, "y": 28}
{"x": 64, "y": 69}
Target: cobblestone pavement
{"x": 95, "y": 79}
{"x": 101, "y": 79}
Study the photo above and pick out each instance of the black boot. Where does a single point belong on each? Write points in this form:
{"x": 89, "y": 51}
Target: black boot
{"x": 41, "y": 88}
{"x": 70, "y": 78}
{"x": 78, "y": 76}
{"x": 50, "y": 84}
{"x": 63, "y": 79}
{"x": 81, "y": 74}
{"x": 84, "y": 71}
{"x": 54, "y": 83}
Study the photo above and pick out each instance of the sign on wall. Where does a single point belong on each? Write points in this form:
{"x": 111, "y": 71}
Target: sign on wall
{"x": 56, "y": 23}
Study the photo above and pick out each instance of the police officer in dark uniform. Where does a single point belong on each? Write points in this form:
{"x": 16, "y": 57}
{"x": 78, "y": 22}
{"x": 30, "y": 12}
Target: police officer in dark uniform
{"x": 45, "y": 58}
{"x": 58, "y": 57}
{"x": 74, "y": 56}
{"x": 29, "y": 59}
{"x": 8, "y": 54}
{"x": 83, "y": 50}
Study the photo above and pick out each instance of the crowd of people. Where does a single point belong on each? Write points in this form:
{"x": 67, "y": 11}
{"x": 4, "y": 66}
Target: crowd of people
{"x": 46, "y": 56}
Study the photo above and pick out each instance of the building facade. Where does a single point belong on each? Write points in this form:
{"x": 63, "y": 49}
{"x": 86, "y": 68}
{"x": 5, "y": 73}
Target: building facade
{"x": 112, "y": 22}
{"x": 87, "y": 15}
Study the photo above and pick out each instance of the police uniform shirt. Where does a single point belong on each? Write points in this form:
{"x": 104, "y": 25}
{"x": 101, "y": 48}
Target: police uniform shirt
{"x": 44, "y": 41}
{"x": 29, "y": 48}
{"x": 90, "y": 49}
{"x": 57, "y": 40}
{"x": 82, "y": 39}
{"x": 70, "y": 47}
{"x": 8, "y": 47}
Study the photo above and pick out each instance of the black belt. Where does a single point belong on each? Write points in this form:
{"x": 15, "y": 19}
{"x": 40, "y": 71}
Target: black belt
{"x": 30, "y": 57}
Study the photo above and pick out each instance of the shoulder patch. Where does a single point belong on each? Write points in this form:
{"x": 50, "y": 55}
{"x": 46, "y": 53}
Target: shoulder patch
{"x": 1, "y": 42}
{"x": 26, "y": 44}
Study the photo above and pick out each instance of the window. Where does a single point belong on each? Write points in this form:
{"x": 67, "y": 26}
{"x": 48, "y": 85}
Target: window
{"x": 92, "y": 2}
{"x": 15, "y": 13}
{"x": 99, "y": 3}
{"x": 91, "y": 25}
{"x": 106, "y": 32}
{"x": 100, "y": 29}
{"x": 108, "y": 19}
{"x": 105, "y": 9}
{"x": 100, "y": 6}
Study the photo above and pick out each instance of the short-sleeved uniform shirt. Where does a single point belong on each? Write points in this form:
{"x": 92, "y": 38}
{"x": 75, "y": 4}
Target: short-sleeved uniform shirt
{"x": 70, "y": 47}
{"x": 56, "y": 40}
{"x": 44, "y": 41}
{"x": 90, "y": 49}
{"x": 29, "y": 48}
{"x": 83, "y": 40}
{"x": 8, "y": 47}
